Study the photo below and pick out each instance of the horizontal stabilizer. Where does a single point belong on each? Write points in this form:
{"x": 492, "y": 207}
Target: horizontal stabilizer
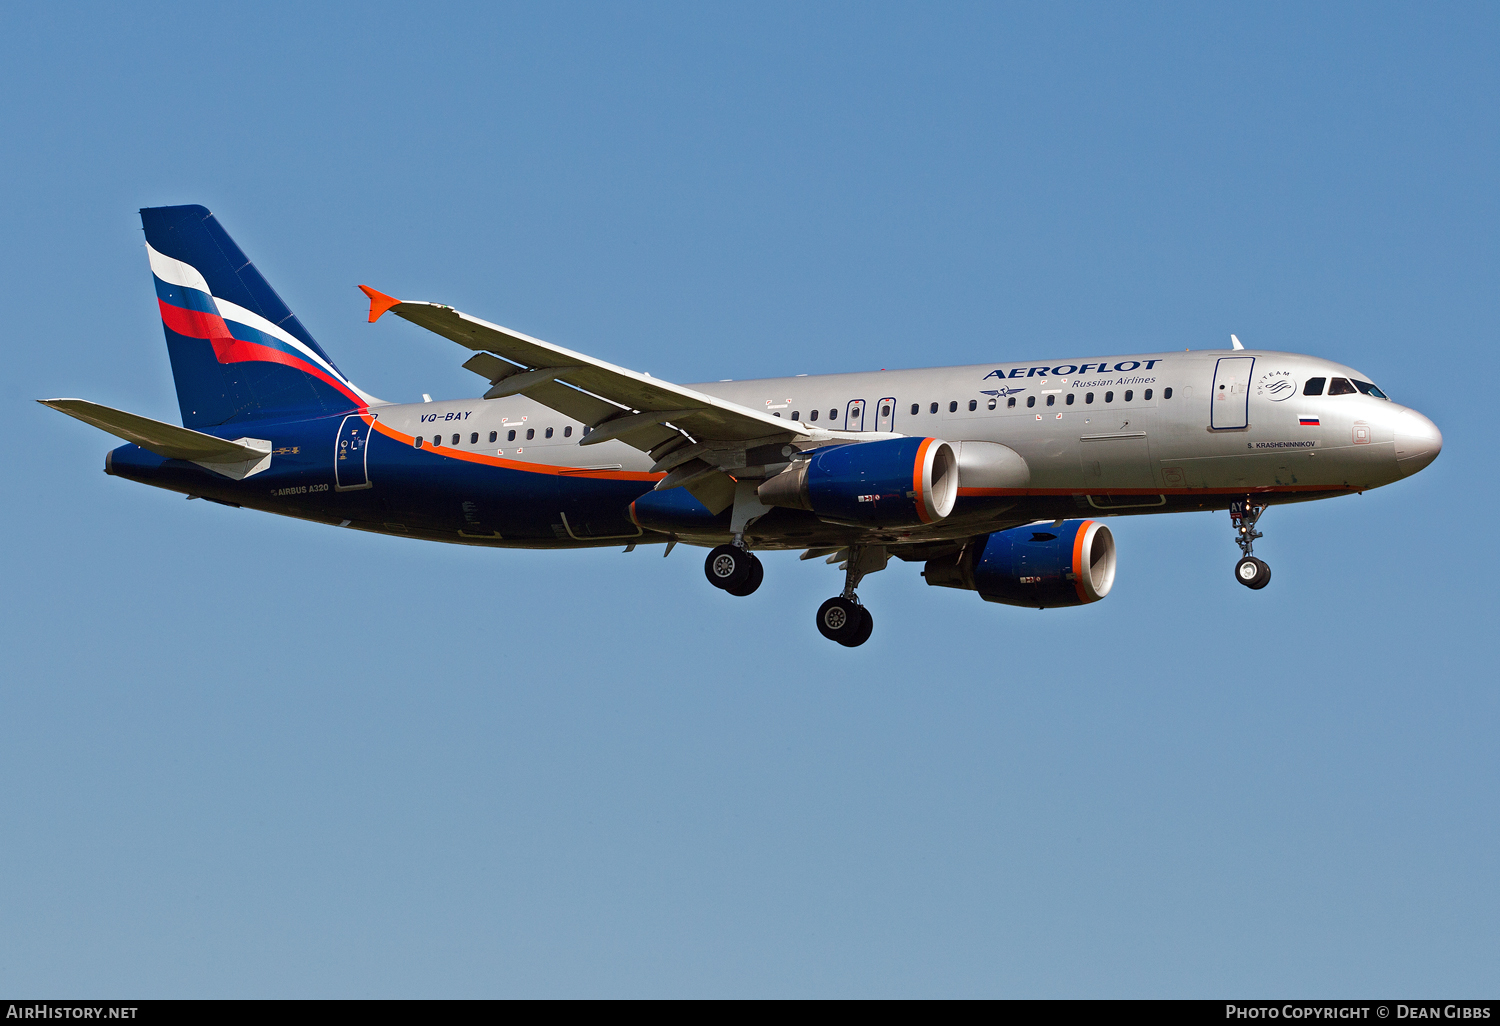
{"x": 237, "y": 459}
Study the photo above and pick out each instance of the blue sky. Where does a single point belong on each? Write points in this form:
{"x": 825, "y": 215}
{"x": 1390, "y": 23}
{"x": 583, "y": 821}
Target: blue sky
{"x": 251, "y": 756}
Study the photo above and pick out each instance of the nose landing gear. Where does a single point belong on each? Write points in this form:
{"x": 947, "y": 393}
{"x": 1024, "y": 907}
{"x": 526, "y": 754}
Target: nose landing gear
{"x": 1251, "y": 572}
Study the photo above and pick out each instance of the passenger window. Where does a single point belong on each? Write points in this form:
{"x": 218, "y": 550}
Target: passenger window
{"x": 1314, "y": 386}
{"x": 1340, "y": 386}
{"x": 833, "y": 414}
{"x": 1010, "y": 404}
{"x": 1089, "y": 399}
{"x": 437, "y": 439}
{"x": 494, "y": 435}
{"x": 417, "y": 441}
{"x": 973, "y": 405}
{"x": 568, "y": 431}
{"x": 1030, "y": 401}
{"x": 1368, "y": 388}
{"x": 991, "y": 404}
{"x": 510, "y": 436}
{"x": 1109, "y": 397}
{"x": 914, "y": 408}
{"x": 777, "y": 414}
{"x": 1051, "y": 399}
{"x": 455, "y": 439}
{"x": 1146, "y": 396}
{"x": 530, "y": 434}
{"x": 885, "y": 411}
{"x": 1071, "y": 397}
{"x": 934, "y": 408}
{"x": 953, "y": 406}
{"x": 1129, "y": 395}
{"x": 796, "y": 414}
{"x": 1166, "y": 393}
{"x": 549, "y": 432}
{"x": 474, "y": 438}
{"x": 814, "y": 414}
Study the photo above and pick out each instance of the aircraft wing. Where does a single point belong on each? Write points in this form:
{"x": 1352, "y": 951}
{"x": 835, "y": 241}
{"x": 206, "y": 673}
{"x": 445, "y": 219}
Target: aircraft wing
{"x": 612, "y": 401}
{"x": 237, "y": 459}
{"x": 698, "y": 439}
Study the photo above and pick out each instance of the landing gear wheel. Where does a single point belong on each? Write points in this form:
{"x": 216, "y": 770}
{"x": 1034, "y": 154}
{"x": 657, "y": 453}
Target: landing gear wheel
{"x": 866, "y": 627}
{"x": 1252, "y": 573}
{"x": 757, "y": 574}
{"x": 728, "y": 567}
{"x": 845, "y": 621}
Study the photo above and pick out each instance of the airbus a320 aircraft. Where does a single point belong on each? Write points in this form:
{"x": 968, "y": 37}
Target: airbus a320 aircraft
{"x": 993, "y": 476}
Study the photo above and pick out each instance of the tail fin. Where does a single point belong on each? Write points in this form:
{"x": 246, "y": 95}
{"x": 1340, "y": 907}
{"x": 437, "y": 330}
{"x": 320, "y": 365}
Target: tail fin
{"x": 237, "y": 352}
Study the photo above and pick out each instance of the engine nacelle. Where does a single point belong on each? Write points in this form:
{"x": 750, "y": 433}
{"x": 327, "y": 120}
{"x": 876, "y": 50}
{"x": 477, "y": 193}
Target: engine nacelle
{"x": 1040, "y": 566}
{"x": 894, "y": 482}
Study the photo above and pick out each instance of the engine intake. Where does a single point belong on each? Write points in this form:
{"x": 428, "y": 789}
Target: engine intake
{"x": 1040, "y": 566}
{"x": 893, "y": 482}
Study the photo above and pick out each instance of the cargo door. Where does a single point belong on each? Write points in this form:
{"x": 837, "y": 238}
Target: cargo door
{"x": 1230, "y": 404}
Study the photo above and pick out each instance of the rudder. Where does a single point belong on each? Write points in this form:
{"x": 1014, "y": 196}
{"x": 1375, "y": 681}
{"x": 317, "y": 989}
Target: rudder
{"x": 238, "y": 353}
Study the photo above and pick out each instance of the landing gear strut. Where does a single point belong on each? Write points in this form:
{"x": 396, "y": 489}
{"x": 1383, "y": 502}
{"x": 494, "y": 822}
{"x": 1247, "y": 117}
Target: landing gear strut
{"x": 1249, "y": 571}
{"x": 734, "y": 569}
{"x": 844, "y": 618}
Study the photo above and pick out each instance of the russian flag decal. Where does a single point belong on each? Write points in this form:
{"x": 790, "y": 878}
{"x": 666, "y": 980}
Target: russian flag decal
{"x": 1309, "y": 422}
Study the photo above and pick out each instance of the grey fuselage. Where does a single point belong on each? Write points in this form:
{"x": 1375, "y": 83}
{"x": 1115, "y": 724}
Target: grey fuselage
{"x": 1158, "y": 432}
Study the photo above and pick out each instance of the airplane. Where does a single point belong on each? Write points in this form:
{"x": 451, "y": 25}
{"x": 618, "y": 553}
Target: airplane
{"x": 995, "y": 476}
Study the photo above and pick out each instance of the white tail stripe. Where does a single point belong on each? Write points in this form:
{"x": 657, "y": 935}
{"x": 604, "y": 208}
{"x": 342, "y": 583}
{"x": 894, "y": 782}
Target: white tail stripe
{"x": 175, "y": 272}
{"x": 239, "y": 315}
{"x": 232, "y": 312}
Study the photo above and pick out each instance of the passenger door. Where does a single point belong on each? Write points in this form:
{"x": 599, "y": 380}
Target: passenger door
{"x": 1230, "y": 402}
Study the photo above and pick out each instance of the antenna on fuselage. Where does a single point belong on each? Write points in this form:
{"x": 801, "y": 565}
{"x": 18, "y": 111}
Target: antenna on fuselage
{"x": 1235, "y": 342}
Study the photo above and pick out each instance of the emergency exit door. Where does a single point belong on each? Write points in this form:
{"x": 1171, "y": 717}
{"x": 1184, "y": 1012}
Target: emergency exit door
{"x": 885, "y": 416}
{"x": 854, "y": 415}
{"x": 1230, "y": 400}
{"x": 351, "y": 466}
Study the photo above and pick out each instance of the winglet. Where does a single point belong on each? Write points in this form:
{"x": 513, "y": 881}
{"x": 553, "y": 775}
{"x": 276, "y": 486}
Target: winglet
{"x": 379, "y": 302}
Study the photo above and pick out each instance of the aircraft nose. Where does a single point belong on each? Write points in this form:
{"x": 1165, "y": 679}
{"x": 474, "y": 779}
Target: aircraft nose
{"x": 1418, "y": 442}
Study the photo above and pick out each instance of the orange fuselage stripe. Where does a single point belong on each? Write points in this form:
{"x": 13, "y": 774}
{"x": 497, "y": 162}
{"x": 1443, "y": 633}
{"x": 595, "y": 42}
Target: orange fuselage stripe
{"x": 531, "y": 468}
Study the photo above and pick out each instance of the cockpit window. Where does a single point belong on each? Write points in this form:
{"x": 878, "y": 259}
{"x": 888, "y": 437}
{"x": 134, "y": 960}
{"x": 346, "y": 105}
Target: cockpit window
{"x": 1340, "y": 386}
{"x": 1314, "y": 386}
{"x": 1369, "y": 389}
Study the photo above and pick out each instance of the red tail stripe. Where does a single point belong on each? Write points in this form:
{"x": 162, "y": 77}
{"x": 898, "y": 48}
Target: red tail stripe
{"x": 193, "y": 323}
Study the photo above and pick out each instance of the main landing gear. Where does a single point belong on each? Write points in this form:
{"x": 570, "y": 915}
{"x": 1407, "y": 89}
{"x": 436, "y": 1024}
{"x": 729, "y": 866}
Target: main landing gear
{"x": 734, "y": 569}
{"x": 1249, "y": 571}
{"x": 844, "y": 618}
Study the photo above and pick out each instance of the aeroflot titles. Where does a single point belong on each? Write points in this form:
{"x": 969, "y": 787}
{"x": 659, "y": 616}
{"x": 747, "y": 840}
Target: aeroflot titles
{"x": 1068, "y": 369}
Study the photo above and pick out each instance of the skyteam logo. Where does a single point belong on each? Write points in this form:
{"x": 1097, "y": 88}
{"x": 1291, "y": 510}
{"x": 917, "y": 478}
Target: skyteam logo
{"x": 1276, "y": 385}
